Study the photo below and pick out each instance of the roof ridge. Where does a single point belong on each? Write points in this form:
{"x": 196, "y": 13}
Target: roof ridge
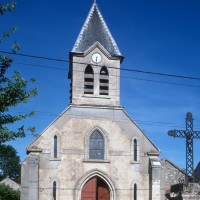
{"x": 107, "y": 29}
{"x": 83, "y": 27}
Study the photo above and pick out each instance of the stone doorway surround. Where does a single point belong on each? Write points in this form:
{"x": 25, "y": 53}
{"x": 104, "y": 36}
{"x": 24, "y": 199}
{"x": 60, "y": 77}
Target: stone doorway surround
{"x": 91, "y": 175}
{"x": 95, "y": 189}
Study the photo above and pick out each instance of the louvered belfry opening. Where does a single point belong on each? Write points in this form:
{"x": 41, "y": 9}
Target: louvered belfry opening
{"x": 104, "y": 82}
{"x": 89, "y": 80}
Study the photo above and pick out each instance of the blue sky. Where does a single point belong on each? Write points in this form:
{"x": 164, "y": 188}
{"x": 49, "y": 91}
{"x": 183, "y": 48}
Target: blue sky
{"x": 158, "y": 36}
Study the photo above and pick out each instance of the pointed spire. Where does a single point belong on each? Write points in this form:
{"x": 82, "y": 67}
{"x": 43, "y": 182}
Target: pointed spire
{"x": 95, "y": 30}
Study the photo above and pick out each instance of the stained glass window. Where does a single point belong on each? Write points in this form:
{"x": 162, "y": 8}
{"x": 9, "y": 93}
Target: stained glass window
{"x": 96, "y": 146}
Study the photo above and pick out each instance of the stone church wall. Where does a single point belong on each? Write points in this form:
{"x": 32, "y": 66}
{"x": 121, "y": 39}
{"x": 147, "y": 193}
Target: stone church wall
{"x": 191, "y": 197}
{"x": 73, "y": 166}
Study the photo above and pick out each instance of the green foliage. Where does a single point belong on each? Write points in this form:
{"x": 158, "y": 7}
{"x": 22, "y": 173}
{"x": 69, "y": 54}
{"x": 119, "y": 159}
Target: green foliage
{"x": 15, "y": 47}
{"x": 6, "y": 34}
{"x": 9, "y": 163}
{"x": 3, "y": 9}
{"x": 13, "y": 90}
{"x": 7, "y": 7}
{"x": 7, "y": 193}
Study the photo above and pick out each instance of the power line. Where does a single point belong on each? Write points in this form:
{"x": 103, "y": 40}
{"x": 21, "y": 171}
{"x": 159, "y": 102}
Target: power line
{"x": 143, "y": 122}
{"x": 41, "y": 66}
{"x": 127, "y": 77}
{"x": 125, "y": 69}
{"x": 33, "y": 56}
{"x": 164, "y": 82}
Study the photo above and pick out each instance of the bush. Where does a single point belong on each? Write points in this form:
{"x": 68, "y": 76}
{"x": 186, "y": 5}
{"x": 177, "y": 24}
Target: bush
{"x": 7, "y": 193}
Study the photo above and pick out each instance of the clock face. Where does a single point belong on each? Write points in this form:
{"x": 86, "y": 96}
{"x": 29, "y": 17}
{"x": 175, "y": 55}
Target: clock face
{"x": 96, "y": 58}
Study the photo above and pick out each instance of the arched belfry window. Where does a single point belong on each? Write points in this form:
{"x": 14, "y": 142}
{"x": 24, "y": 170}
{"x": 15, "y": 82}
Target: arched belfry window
{"x": 96, "y": 146}
{"x": 104, "y": 82}
{"x": 89, "y": 80}
{"x": 54, "y": 190}
{"x": 55, "y": 147}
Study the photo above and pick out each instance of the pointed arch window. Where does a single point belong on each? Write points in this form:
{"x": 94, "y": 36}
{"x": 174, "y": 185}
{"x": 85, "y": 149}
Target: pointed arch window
{"x": 104, "y": 81}
{"x": 135, "y": 191}
{"x": 89, "y": 80}
{"x": 135, "y": 150}
{"x": 55, "y": 147}
{"x": 54, "y": 190}
{"x": 96, "y": 146}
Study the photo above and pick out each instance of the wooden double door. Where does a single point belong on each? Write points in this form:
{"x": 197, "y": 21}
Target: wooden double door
{"x": 95, "y": 189}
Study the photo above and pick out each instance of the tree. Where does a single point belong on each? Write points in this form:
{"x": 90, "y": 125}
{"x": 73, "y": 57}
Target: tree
{"x": 10, "y": 6}
{"x": 7, "y": 193}
{"x": 13, "y": 90}
{"x": 9, "y": 163}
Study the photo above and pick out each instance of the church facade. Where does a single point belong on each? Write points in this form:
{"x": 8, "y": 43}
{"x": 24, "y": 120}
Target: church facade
{"x": 93, "y": 150}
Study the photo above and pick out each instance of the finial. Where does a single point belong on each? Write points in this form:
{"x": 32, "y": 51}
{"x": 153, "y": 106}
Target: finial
{"x": 95, "y": 1}
{"x": 189, "y": 116}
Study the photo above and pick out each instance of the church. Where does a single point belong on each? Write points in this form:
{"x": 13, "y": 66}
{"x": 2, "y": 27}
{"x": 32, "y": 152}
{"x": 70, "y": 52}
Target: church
{"x": 93, "y": 150}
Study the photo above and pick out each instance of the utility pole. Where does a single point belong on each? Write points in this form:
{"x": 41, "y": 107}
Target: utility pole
{"x": 189, "y": 134}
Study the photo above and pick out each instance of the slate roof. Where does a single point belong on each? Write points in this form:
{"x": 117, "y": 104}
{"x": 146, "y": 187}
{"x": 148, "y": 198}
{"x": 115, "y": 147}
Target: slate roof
{"x": 95, "y": 30}
{"x": 173, "y": 174}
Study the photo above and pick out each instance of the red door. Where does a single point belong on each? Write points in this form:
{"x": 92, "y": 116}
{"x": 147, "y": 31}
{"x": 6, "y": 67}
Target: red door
{"x": 95, "y": 189}
{"x": 89, "y": 190}
{"x": 103, "y": 192}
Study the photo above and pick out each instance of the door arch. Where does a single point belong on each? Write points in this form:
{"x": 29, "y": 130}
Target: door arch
{"x": 95, "y": 189}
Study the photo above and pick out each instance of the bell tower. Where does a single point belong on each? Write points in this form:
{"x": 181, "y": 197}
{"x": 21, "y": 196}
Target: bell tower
{"x": 95, "y": 64}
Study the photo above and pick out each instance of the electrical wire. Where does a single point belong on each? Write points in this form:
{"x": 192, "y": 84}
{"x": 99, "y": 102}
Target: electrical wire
{"x": 143, "y": 122}
{"x": 125, "y": 69}
{"x": 126, "y": 77}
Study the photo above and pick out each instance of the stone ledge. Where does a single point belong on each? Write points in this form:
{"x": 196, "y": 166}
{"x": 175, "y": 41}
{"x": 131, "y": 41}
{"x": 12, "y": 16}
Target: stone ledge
{"x": 96, "y": 161}
{"x": 55, "y": 159}
{"x": 135, "y": 162}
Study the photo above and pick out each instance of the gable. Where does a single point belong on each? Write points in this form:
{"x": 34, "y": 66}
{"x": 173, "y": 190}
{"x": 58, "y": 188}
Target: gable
{"x": 80, "y": 120}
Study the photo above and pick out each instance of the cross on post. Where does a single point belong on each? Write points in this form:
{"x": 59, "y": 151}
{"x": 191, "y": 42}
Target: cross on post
{"x": 189, "y": 134}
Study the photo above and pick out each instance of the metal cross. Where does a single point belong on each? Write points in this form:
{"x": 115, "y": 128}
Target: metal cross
{"x": 189, "y": 134}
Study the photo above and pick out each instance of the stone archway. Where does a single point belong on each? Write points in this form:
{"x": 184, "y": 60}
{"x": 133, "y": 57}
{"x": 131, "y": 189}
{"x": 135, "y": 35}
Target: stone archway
{"x": 95, "y": 189}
